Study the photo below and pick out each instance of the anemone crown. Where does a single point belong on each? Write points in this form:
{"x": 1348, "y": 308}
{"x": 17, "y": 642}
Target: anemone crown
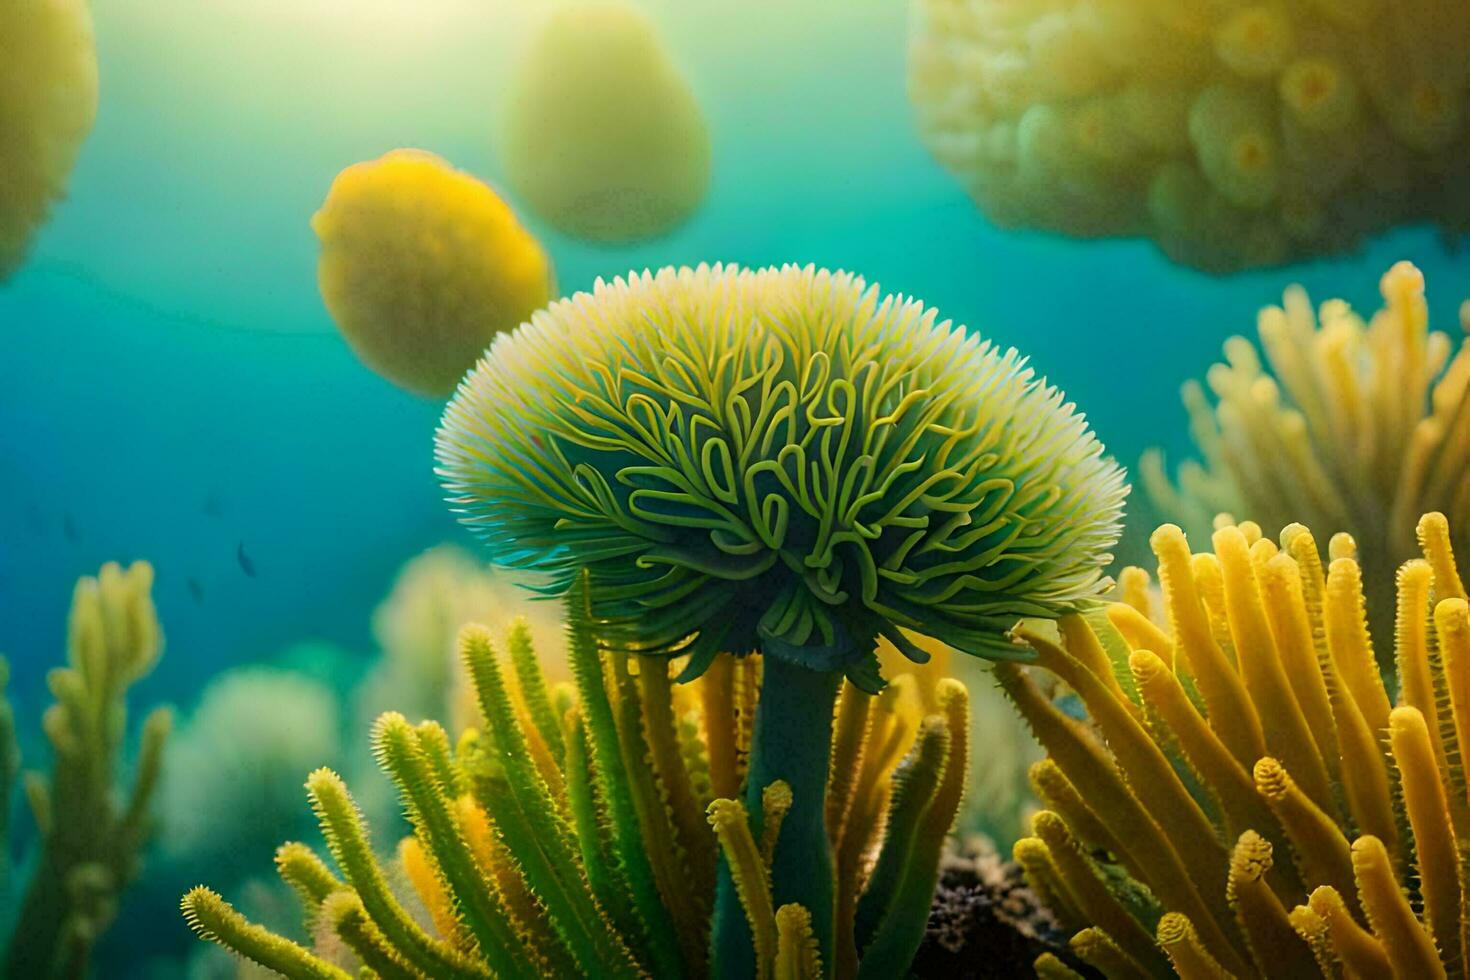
{"x": 784, "y": 458}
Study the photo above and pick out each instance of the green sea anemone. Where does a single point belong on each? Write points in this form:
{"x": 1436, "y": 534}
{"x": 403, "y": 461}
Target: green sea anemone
{"x": 784, "y": 460}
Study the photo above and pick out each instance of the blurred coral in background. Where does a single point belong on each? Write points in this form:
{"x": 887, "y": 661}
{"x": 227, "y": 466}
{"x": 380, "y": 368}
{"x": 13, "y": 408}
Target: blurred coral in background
{"x": 1233, "y": 135}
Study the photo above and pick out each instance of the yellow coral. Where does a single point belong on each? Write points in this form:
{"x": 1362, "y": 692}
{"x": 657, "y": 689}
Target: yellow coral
{"x": 1313, "y": 125}
{"x": 421, "y": 267}
{"x": 604, "y": 138}
{"x": 1280, "y": 810}
{"x": 1359, "y": 426}
{"x": 48, "y": 99}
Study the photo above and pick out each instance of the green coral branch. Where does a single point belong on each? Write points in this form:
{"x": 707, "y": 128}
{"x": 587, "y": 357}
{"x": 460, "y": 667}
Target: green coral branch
{"x": 215, "y": 920}
{"x": 614, "y": 786}
{"x": 90, "y": 840}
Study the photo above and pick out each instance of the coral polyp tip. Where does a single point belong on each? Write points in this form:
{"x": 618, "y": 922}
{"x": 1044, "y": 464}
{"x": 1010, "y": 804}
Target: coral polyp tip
{"x": 783, "y": 458}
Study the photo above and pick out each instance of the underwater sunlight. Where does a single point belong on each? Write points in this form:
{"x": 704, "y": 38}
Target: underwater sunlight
{"x": 780, "y": 490}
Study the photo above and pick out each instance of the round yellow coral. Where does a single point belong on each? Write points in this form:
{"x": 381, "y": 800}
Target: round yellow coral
{"x": 48, "y": 100}
{"x": 422, "y": 266}
{"x": 604, "y": 138}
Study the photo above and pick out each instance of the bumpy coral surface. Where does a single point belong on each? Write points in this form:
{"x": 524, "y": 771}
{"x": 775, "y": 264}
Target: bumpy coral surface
{"x": 1232, "y": 134}
{"x": 1351, "y": 425}
{"x": 785, "y": 459}
{"x": 604, "y": 138}
{"x": 48, "y": 99}
{"x": 1244, "y": 795}
{"x": 986, "y": 923}
{"x": 422, "y": 265}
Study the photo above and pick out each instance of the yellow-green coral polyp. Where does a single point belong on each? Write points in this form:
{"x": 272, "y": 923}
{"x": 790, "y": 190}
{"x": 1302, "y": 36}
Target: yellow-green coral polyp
{"x": 785, "y": 458}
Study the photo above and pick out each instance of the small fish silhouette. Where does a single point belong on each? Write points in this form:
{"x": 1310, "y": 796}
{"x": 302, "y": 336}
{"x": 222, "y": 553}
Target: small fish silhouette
{"x": 69, "y": 528}
{"x": 196, "y": 590}
{"x": 246, "y": 565}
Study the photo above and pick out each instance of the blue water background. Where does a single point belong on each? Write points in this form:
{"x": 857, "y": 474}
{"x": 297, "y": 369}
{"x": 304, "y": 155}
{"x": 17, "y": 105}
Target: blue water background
{"x": 171, "y": 386}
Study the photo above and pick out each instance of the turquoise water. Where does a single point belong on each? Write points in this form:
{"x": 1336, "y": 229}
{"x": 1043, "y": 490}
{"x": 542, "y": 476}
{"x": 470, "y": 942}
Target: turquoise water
{"x": 171, "y": 387}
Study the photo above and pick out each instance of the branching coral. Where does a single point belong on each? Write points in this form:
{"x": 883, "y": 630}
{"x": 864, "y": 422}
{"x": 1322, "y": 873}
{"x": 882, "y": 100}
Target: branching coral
{"x": 422, "y": 266}
{"x": 569, "y": 836}
{"x": 1233, "y": 135}
{"x": 1358, "y": 427}
{"x": 48, "y": 100}
{"x": 89, "y": 839}
{"x": 604, "y": 138}
{"x": 784, "y": 460}
{"x": 1246, "y": 797}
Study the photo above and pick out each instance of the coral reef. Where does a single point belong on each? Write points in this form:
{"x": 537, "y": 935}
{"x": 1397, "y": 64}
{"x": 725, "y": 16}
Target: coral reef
{"x": 603, "y": 137}
{"x": 89, "y": 840}
{"x": 1357, "y": 427}
{"x": 422, "y": 265}
{"x": 48, "y": 100}
{"x": 569, "y": 836}
{"x": 1245, "y": 796}
{"x": 1232, "y": 135}
{"x": 783, "y": 460}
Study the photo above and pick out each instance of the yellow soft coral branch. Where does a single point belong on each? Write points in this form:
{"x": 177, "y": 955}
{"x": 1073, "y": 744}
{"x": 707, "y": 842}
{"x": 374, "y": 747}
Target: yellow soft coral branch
{"x": 797, "y": 956}
{"x": 1364, "y": 430}
{"x": 752, "y": 879}
{"x": 1263, "y": 919}
{"x": 1367, "y": 871}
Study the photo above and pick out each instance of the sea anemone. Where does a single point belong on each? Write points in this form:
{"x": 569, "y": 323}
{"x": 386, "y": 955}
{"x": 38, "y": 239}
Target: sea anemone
{"x": 1244, "y": 796}
{"x": 1234, "y": 135}
{"x": 422, "y": 265}
{"x": 603, "y": 136}
{"x": 784, "y": 460}
{"x": 48, "y": 100}
{"x": 1358, "y": 427}
{"x": 89, "y": 839}
{"x": 576, "y": 834}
